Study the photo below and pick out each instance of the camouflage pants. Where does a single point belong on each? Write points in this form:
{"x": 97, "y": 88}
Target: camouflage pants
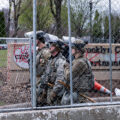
{"x": 41, "y": 95}
{"x": 57, "y": 101}
{"x": 42, "y": 98}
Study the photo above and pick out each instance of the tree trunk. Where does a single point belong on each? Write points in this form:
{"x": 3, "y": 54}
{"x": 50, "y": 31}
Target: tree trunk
{"x": 16, "y": 7}
{"x": 58, "y": 4}
{"x": 8, "y": 24}
{"x": 57, "y": 15}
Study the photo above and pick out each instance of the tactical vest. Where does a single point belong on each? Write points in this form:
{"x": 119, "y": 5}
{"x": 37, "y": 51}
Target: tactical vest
{"x": 53, "y": 68}
{"x": 84, "y": 81}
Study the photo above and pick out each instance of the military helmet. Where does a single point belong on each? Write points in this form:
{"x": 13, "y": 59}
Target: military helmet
{"x": 59, "y": 44}
{"x": 41, "y": 36}
{"x": 79, "y": 44}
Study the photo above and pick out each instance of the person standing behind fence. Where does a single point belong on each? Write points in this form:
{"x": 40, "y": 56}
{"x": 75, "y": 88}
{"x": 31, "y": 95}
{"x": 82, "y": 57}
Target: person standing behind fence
{"x": 82, "y": 76}
{"x": 54, "y": 73}
{"x": 42, "y": 56}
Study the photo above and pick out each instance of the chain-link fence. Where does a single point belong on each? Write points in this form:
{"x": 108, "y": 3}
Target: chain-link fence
{"x": 61, "y": 82}
{"x": 14, "y": 72}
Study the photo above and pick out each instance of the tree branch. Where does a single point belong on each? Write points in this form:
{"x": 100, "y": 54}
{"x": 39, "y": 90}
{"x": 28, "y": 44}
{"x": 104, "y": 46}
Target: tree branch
{"x": 51, "y": 7}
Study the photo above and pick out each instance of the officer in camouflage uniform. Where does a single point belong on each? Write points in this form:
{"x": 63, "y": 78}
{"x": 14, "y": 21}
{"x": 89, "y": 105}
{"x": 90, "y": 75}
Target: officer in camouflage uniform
{"x": 42, "y": 56}
{"x": 82, "y": 76}
{"x": 54, "y": 73}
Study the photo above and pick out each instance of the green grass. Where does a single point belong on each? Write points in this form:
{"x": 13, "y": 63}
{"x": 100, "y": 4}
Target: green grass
{"x": 3, "y": 58}
{"x": 2, "y": 103}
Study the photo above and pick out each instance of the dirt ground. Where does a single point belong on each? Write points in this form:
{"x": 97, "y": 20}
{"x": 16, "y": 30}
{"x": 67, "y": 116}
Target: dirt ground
{"x": 21, "y": 94}
{"x": 12, "y": 94}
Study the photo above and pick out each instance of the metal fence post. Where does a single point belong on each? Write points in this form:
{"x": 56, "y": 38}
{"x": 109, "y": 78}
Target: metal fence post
{"x": 91, "y": 5}
{"x": 110, "y": 46}
{"x": 31, "y": 70}
{"x": 70, "y": 53}
{"x": 34, "y": 53}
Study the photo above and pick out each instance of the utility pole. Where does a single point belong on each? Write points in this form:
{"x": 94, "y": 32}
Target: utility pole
{"x": 91, "y": 5}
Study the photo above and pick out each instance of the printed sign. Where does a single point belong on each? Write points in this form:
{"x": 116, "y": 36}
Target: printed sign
{"x": 21, "y": 55}
{"x": 99, "y": 55}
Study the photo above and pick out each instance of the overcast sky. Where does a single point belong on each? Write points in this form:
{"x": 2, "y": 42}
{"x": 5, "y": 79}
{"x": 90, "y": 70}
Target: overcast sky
{"x": 102, "y": 5}
{"x": 4, "y": 4}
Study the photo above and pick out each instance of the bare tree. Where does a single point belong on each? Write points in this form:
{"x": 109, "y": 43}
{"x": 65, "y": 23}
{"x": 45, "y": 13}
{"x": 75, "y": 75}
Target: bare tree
{"x": 8, "y": 20}
{"x": 55, "y": 6}
{"x": 15, "y": 11}
{"x": 80, "y": 16}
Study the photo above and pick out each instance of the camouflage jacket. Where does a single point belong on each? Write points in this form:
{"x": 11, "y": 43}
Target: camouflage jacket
{"x": 42, "y": 57}
{"x": 82, "y": 76}
{"x": 55, "y": 72}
